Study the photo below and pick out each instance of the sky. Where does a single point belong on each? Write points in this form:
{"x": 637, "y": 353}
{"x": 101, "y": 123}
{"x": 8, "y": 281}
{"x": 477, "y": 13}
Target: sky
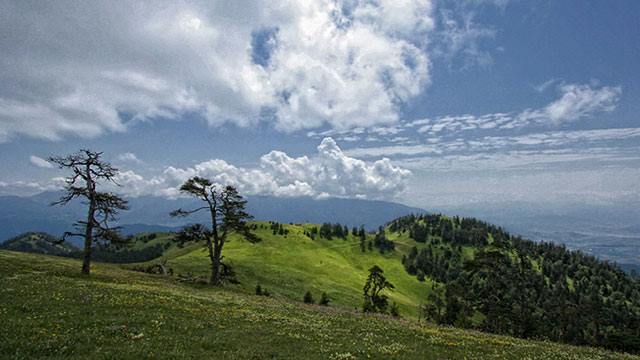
{"x": 426, "y": 103}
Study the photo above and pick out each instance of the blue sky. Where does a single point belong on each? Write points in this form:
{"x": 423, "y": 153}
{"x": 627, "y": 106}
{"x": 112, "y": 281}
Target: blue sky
{"x": 429, "y": 103}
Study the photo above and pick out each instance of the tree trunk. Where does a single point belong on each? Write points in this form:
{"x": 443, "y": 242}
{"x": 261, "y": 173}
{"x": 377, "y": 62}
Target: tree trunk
{"x": 88, "y": 235}
{"x": 86, "y": 261}
{"x": 215, "y": 249}
{"x": 215, "y": 269}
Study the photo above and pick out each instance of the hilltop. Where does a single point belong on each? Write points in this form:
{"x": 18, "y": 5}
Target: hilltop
{"x": 131, "y": 315}
{"x": 291, "y": 263}
{"x": 38, "y": 242}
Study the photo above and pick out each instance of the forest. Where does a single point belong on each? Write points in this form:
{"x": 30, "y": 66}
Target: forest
{"x": 519, "y": 287}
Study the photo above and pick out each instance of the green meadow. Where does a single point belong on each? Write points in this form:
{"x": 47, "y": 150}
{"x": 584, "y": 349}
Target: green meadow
{"x": 49, "y": 310}
{"x": 290, "y": 265}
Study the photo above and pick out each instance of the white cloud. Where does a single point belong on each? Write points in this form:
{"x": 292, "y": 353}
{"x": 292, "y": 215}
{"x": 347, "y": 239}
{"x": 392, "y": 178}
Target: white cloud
{"x": 545, "y": 85}
{"x": 88, "y": 66}
{"x": 40, "y": 162}
{"x": 25, "y": 188}
{"x": 525, "y": 160}
{"x": 493, "y": 143}
{"x": 327, "y": 173}
{"x": 129, "y": 157}
{"x": 460, "y": 37}
{"x": 575, "y": 102}
{"x": 336, "y": 174}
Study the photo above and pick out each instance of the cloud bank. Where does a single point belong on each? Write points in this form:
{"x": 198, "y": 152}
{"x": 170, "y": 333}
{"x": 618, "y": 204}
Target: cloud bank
{"x": 82, "y": 69}
{"x": 327, "y": 173}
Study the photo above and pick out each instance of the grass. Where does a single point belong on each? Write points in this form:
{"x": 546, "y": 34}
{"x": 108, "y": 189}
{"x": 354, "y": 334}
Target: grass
{"x": 47, "y": 309}
{"x": 289, "y": 266}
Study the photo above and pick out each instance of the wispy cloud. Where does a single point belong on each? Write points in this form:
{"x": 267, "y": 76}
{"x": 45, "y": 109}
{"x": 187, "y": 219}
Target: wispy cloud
{"x": 23, "y": 187}
{"x": 129, "y": 157}
{"x": 40, "y": 162}
{"x": 575, "y": 102}
{"x": 545, "y": 85}
{"x": 461, "y": 37}
{"x": 492, "y": 143}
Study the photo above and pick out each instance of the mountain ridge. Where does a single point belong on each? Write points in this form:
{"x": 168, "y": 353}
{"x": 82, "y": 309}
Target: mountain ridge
{"x": 150, "y": 213}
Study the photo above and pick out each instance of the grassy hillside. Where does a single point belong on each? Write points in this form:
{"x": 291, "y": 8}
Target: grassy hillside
{"x": 290, "y": 265}
{"x": 50, "y": 310}
{"x": 37, "y": 242}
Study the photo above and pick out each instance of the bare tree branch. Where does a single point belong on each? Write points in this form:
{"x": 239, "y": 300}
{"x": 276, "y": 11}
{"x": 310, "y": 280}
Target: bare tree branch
{"x": 181, "y": 212}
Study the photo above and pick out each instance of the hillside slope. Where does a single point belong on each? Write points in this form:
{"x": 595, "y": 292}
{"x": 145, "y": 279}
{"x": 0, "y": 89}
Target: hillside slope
{"x": 289, "y": 265}
{"x": 50, "y": 310}
{"x": 37, "y": 242}
{"x": 462, "y": 272}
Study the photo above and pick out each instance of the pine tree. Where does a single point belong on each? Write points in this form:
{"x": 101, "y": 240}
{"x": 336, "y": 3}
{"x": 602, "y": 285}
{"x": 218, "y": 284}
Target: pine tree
{"x": 374, "y": 300}
{"x": 227, "y": 210}
{"x": 102, "y": 207}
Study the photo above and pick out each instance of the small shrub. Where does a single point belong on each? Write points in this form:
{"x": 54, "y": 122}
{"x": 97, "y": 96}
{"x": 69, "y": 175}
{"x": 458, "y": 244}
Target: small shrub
{"x": 394, "y": 310}
{"x": 261, "y": 291}
{"x": 324, "y": 299}
{"x": 308, "y": 298}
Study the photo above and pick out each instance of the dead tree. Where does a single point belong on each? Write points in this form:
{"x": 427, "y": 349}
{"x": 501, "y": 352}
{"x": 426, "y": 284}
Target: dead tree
{"x": 88, "y": 171}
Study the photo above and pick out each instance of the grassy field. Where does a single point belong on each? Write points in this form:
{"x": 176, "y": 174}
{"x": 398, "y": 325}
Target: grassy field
{"x": 47, "y": 309}
{"x": 289, "y": 266}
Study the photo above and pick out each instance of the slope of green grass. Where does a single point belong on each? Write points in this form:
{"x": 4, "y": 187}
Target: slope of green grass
{"x": 47, "y": 309}
{"x": 289, "y": 266}
{"x": 37, "y": 242}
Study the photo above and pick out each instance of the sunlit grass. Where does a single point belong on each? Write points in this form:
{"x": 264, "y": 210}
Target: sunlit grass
{"x": 289, "y": 266}
{"x": 49, "y": 310}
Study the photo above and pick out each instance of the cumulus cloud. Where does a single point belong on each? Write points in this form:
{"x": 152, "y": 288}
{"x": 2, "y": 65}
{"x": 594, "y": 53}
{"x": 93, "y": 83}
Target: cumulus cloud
{"x": 85, "y": 68}
{"x": 328, "y": 173}
{"x": 40, "y": 162}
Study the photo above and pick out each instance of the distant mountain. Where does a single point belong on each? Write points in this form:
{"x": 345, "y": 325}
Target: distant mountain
{"x": 134, "y": 229}
{"x": 151, "y": 214}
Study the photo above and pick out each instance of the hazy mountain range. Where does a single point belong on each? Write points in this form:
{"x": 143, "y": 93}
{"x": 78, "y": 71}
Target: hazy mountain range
{"x": 148, "y": 213}
{"x": 609, "y": 232}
